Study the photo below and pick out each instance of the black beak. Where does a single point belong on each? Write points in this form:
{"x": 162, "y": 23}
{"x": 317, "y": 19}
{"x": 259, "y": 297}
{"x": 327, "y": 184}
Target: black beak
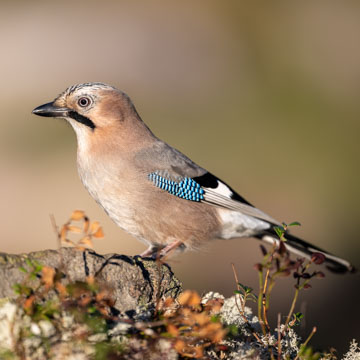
{"x": 50, "y": 110}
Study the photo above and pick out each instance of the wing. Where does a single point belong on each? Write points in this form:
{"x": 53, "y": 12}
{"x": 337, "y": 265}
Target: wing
{"x": 218, "y": 193}
{"x": 175, "y": 173}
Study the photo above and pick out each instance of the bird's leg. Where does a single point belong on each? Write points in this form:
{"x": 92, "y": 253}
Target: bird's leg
{"x": 157, "y": 252}
{"x": 172, "y": 246}
{"x": 150, "y": 251}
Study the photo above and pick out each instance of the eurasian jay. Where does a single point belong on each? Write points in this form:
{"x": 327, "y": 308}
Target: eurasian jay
{"x": 151, "y": 190}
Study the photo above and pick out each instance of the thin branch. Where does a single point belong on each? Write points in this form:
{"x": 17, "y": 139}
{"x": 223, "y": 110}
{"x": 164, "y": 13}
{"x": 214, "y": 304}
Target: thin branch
{"x": 236, "y": 277}
{"x": 242, "y": 311}
{"x": 264, "y": 305}
{"x": 261, "y": 288}
{"x": 56, "y": 229}
{"x": 279, "y": 335}
{"x": 292, "y": 307}
{"x": 62, "y": 267}
{"x": 313, "y": 331}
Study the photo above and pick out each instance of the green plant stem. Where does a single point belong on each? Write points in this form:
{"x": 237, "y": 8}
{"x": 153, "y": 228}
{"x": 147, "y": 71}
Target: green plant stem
{"x": 313, "y": 331}
{"x": 268, "y": 293}
{"x": 260, "y": 302}
{"x": 243, "y": 302}
{"x": 279, "y": 335}
{"x": 264, "y": 297}
{"x": 235, "y": 276}
{"x": 292, "y": 307}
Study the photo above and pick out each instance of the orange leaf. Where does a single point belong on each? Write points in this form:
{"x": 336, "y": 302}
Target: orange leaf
{"x": 77, "y": 215}
{"x": 184, "y": 297}
{"x": 86, "y": 241}
{"x": 104, "y": 311}
{"x": 90, "y": 280}
{"x": 61, "y": 289}
{"x": 99, "y": 233}
{"x": 80, "y": 248}
{"x": 179, "y": 346}
{"x": 63, "y": 233}
{"x": 213, "y": 331}
{"x": 173, "y": 330}
{"x": 168, "y": 302}
{"x": 47, "y": 276}
{"x": 28, "y": 302}
{"x": 214, "y": 305}
{"x": 219, "y": 335}
{"x": 199, "y": 352}
{"x": 194, "y": 299}
{"x": 101, "y": 295}
{"x": 185, "y": 312}
{"x": 189, "y": 298}
{"x": 74, "y": 229}
{"x": 201, "y": 318}
{"x": 84, "y": 300}
{"x": 94, "y": 227}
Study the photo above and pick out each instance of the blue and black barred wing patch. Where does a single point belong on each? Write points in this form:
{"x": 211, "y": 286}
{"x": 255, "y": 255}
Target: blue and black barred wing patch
{"x": 208, "y": 189}
{"x": 183, "y": 187}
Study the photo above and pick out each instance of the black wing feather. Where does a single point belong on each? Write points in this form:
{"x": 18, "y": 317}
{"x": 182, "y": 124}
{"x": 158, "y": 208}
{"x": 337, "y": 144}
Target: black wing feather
{"x": 209, "y": 180}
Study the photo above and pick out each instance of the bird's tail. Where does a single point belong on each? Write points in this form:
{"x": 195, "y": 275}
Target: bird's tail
{"x": 304, "y": 249}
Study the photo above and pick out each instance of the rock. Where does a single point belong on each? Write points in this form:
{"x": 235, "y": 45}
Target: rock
{"x": 7, "y": 319}
{"x": 136, "y": 283}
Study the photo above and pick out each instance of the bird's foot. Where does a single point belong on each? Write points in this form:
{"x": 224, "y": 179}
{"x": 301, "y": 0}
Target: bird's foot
{"x": 156, "y": 252}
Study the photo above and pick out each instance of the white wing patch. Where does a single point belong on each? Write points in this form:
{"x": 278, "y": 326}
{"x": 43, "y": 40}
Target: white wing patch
{"x": 222, "y": 196}
{"x": 223, "y": 190}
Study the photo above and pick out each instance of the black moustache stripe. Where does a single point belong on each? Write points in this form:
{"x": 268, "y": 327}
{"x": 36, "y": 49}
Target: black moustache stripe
{"x": 82, "y": 119}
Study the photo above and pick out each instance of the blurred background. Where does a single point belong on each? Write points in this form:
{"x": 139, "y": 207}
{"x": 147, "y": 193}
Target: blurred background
{"x": 263, "y": 94}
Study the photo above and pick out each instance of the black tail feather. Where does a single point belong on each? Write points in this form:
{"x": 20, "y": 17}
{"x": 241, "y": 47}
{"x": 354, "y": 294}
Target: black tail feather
{"x": 305, "y": 249}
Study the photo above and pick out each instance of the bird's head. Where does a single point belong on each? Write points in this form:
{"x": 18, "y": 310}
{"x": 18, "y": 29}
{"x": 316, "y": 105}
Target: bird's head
{"x": 96, "y": 111}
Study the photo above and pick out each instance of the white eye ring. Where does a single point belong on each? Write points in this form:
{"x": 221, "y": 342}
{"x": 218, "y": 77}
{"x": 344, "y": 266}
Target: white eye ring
{"x": 84, "y": 101}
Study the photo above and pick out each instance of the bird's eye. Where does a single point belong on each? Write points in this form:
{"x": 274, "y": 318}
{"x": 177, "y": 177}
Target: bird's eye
{"x": 84, "y": 101}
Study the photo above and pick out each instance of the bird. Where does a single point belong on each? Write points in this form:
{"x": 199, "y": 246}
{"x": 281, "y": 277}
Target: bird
{"x": 153, "y": 191}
